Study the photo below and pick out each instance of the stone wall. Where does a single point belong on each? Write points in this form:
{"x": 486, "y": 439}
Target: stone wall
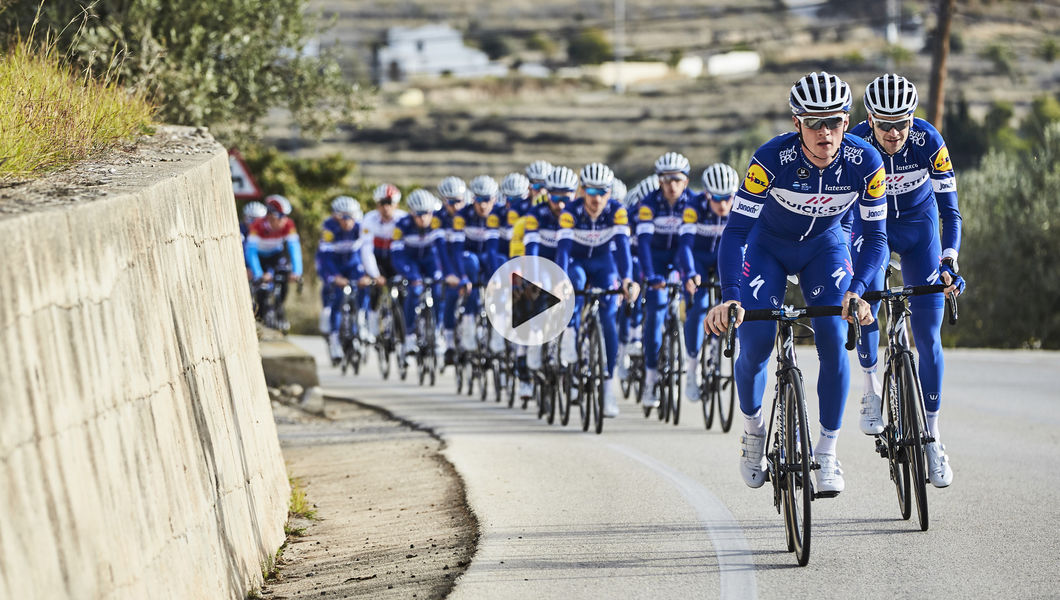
{"x": 138, "y": 454}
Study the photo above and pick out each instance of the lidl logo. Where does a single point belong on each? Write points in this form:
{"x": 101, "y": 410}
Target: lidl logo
{"x": 942, "y": 160}
{"x": 621, "y": 216}
{"x": 566, "y": 221}
{"x": 878, "y": 184}
{"x": 756, "y": 180}
{"x": 645, "y": 214}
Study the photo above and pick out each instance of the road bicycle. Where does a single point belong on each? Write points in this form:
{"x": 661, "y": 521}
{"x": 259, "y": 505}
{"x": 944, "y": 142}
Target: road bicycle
{"x": 391, "y": 329}
{"x": 268, "y": 307}
{"x": 552, "y": 383}
{"x": 905, "y": 435}
{"x": 789, "y": 458}
{"x": 426, "y": 353}
{"x": 633, "y": 382}
{"x": 717, "y": 384}
{"x": 589, "y": 372}
{"x": 671, "y": 366}
{"x": 350, "y": 332}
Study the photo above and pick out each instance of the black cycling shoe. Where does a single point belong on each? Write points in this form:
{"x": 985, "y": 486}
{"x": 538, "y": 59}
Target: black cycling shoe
{"x": 450, "y": 356}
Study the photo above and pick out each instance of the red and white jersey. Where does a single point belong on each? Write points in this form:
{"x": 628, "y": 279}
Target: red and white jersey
{"x": 382, "y": 233}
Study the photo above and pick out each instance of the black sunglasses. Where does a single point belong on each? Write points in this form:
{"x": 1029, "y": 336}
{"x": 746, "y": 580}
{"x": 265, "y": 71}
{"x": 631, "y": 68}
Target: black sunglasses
{"x": 889, "y": 125}
{"x": 815, "y": 123}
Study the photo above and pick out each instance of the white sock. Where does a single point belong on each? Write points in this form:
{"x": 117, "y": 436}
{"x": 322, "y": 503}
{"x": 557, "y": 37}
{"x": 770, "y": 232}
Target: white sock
{"x": 450, "y": 338}
{"x": 826, "y": 443}
{"x": 754, "y": 424}
{"x": 872, "y": 384}
{"x": 933, "y": 425}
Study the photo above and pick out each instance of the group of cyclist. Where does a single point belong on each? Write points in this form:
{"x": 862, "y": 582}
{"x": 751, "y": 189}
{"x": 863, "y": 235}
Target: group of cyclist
{"x": 792, "y": 214}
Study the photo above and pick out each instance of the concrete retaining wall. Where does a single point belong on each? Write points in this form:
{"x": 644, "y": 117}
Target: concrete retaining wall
{"x": 138, "y": 455}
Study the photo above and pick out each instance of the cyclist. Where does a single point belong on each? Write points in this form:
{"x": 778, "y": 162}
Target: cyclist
{"x": 708, "y": 214}
{"x": 474, "y": 255}
{"x": 274, "y": 254}
{"x": 416, "y": 252}
{"x": 536, "y": 173}
{"x": 453, "y": 191}
{"x": 659, "y": 222}
{"x": 921, "y": 187}
{"x": 515, "y": 189}
{"x": 587, "y": 228}
{"x": 788, "y": 210}
{"x": 343, "y": 257}
{"x": 379, "y": 225}
{"x": 252, "y": 211}
{"x": 630, "y": 320}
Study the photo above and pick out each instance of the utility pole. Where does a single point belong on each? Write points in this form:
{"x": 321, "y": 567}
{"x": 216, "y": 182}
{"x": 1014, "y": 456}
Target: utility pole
{"x": 938, "y": 62}
{"x": 892, "y": 30}
{"x": 620, "y": 44}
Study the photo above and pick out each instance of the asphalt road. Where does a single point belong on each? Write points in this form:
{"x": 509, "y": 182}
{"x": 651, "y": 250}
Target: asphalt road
{"x": 648, "y": 510}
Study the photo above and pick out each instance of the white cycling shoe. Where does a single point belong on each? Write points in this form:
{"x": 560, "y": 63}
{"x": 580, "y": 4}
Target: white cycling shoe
{"x": 648, "y": 398}
{"x": 622, "y": 363}
{"x": 752, "y": 459}
{"x": 830, "y": 475}
{"x": 526, "y": 389}
{"x": 610, "y": 401}
{"x": 939, "y": 472}
{"x": 692, "y": 379}
{"x": 871, "y": 414}
{"x": 568, "y": 354}
{"x": 335, "y": 348}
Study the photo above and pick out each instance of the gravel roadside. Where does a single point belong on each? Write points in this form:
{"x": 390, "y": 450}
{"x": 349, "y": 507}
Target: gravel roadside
{"x": 392, "y": 519}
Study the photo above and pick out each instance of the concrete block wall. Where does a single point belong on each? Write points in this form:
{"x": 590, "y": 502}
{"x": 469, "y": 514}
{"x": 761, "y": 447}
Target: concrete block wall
{"x": 138, "y": 454}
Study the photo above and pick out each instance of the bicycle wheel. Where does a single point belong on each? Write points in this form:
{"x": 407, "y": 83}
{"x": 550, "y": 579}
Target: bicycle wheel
{"x": 798, "y": 492}
{"x": 563, "y": 390}
{"x": 677, "y": 352}
{"x": 893, "y": 434}
{"x": 400, "y": 327}
{"x": 707, "y": 385}
{"x": 595, "y": 375}
{"x": 912, "y": 418}
{"x": 431, "y": 352}
{"x": 725, "y": 387}
{"x": 666, "y": 375}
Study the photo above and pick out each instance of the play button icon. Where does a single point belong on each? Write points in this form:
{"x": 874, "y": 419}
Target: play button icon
{"x": 529, "y": 300}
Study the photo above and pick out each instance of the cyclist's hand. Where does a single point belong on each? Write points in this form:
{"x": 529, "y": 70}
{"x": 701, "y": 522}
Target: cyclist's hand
{"x": 267, "y": 277}
{"x": 340, "y": 281}
{"x": 630, "y": 289}
{"x": 465, "y": 288}
{"x": 452, "y": 280}
{"x": 692, "y": 284}
{"x": 655, "y": 283}
{"x": 954, "y": 281}
{"x": 717, "y": 321}
{"x": 380, "y": 280}
{"x": 864, "y": 311}
{"x": 364, "y": 281}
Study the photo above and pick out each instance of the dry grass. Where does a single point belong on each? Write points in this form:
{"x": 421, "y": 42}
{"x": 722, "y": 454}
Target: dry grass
{"x": 52, "y": 116}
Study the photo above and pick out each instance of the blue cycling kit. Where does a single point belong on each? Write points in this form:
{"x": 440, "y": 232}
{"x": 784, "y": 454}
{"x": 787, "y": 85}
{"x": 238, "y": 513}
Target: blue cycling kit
{"x": 417, "y": 254}
{"x": 542, "y": 232}
{"x": 921, "y": 187}
{"x": 473, "y": 255}
{"x": 788, "y": 213}
{"x": 659, "y": 227}
{"x": 701, "y": 237}
{"x": 339, "y": 253}
{"x": 584, "y": 249}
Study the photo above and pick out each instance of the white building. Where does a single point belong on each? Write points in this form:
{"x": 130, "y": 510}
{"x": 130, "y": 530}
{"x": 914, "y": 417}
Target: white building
{"x": 431, "y": 50}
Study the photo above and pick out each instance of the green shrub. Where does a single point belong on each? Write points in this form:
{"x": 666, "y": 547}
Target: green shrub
{"x": 589, "y": 47}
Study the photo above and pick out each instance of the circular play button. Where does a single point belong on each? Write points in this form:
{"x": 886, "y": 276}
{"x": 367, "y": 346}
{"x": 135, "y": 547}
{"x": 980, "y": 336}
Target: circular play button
{"x": 529, "y": 300}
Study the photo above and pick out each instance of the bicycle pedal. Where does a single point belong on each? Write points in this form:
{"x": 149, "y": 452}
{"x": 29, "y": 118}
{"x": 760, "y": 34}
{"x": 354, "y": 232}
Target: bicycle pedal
{"x": 817, "y": 495}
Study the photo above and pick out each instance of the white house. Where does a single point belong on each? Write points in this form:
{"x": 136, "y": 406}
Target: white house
{"x": 431, "y": 50}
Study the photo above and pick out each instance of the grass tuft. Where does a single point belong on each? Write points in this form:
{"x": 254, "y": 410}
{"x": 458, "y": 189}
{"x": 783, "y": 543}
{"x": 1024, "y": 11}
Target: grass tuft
{"x": 52, "y": 117}
{"x": 300, "y": 507}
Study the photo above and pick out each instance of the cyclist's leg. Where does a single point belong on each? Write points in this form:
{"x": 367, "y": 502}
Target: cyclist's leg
{"x": 568, "y": 350}
{"x": 762, "y": 286}
{"x": 412, "y": 298}
{"x": 869, "y": 344}
{"x": 467, "y": 320}
{"x": 697, "y": 310}
{"x": 828, "y": 256}
{"x": 326, "y": 303}
{"x": 603, "y": 274}
{"x": 920, "y": 264}
{"x": 654, "y": 313}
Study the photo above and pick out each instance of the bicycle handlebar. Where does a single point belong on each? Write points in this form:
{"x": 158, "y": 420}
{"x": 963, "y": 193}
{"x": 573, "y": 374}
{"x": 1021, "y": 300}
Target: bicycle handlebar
{"x": 598, "y": 292}
{"x": 792, "y": 314}
{"x": 916, "y": 290}
{"x": 854, "y": 327}
{"x": 731, "y": 331}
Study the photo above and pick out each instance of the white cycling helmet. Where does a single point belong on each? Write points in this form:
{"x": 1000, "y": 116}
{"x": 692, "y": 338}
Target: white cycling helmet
{"x": 643, "y": 188}
{"x": 421, "y": 201}
{"x": 452, "y": 187}
{"x": 538, "y": 170}
{"x": 720, "y": 179}
{"x": 672, "y": 162}
{"x": 562, "y": 179}
{"x": 386, "y": 190}
{"x": 346, "y": 205}
{"x": 515, "y": 185}
{"x": 890, "y": 96}
{"x": 618, "y": 190}
{"x": 254, "y": 210}
{"x": 484, "y": 186}
{"x": 820, "y": 92}
{"x": 278, "y": 203}
{"x": 597, "y": 175}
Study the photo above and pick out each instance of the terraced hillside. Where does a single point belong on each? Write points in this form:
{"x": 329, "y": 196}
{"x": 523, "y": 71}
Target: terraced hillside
{"x": 494, "y": 126}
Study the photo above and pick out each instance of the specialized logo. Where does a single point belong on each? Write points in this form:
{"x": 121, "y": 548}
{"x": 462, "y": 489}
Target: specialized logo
{"x": 645, "y": 214}
{"x": 756, "y": 180}
{"x": 934, "y": 277}
{"x": 788, "y": 155}
{"x": 858, "y": 243}
{"x": 756, "y": 284}
{"x": 878, "y": 184}
{"x": 942, "y": 160}
{"x": 566, "y": 221}
{"x": 839, "y": 274}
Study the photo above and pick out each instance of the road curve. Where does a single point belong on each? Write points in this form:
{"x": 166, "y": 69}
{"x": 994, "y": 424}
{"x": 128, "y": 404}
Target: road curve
{"x": 648, "y": 510}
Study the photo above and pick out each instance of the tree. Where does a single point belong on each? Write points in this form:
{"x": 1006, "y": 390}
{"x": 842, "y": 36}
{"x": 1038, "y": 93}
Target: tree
{"x": 218, "y": 63}
{"x": 589, "y": 47}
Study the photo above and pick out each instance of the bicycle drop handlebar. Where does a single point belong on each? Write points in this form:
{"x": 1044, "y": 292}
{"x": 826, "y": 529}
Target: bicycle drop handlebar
{"x": 792, "y": 314}
{"x": 916, "y": 290}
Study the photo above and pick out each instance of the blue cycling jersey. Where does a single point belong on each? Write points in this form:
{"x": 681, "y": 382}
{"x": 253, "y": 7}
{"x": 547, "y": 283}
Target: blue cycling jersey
{"x": 920, "y": 171}
{"x": 701, "y": 233}
{"x": 659, "y": 226}
{"x": 542, "y": 232}
{"x": 449, "y": 236}
{"x": 339, "y": 251}
{"x": 417, "y": 252}
{"x": 480, "y": 235}
{"x": 789, "y": 198}
{"x": 582, "y": 237}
